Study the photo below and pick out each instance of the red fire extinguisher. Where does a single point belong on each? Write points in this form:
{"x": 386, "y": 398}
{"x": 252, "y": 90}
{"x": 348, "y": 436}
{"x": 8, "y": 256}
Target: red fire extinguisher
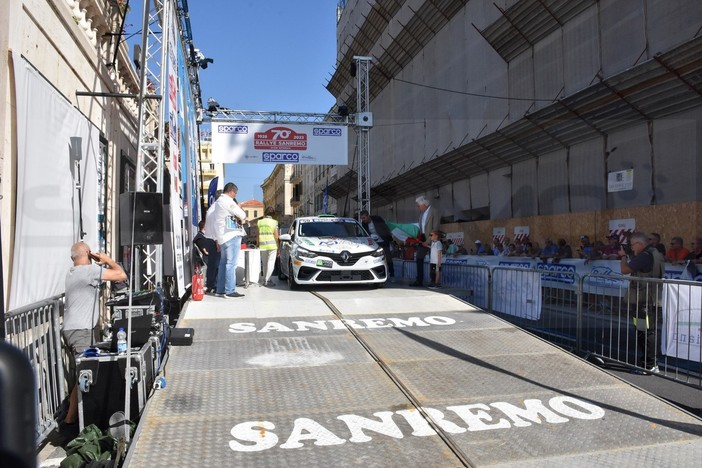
{"x": 198, "y": 285}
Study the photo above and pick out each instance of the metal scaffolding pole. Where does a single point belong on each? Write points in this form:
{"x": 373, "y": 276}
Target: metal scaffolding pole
{"x": 364, "y": 122}
{"x": 156, "y": 27}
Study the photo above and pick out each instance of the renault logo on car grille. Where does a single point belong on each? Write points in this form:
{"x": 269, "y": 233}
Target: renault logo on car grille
{"x": 345, "y": 255}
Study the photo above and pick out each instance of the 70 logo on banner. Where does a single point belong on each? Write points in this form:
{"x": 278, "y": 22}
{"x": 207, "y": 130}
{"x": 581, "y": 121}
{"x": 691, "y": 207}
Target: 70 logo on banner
{"x": 280, "y": 138}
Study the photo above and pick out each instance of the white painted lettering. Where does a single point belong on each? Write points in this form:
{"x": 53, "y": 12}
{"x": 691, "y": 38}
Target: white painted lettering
{"x": 274, "y": 326}
{"x": 420, "y": 426}
{"x": 590, "y": 411}
{"x": 532, "y": 411}
{"x": 257, "y": 432}
{"x": 376, "y": 323}
{"x": 385, "y": 426}
{"x": 438, "y": 417}
{"x": 308, "y": 429}
{"x": 475, "y": 420}
{"x": 410, "y": 322}
{"x": 439, "y": 320}
{"x": 337, "y": 325}
{"x": 242, "y": 327}
{"x": 317, "y": 324}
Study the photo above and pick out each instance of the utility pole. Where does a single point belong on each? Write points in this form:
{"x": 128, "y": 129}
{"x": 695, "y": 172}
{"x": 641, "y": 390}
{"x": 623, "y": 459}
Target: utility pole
{"x": 364, "y": 122}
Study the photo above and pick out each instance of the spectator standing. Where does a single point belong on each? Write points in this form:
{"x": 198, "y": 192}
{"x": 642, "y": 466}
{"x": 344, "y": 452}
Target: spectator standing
{"x": 268, "y": 233}
{"x": 677, "y": 253}
{"x": 586, "y": 249}
{"x": 611, "y": 250}
{"x": 643, "y": 263}
{"x": 210, "y": 255}
{"x": 480, "y": 248}
{"x": 435, "y": 259}
{"x": 550, "y": 250}
{"x": 530, "y": 250}
{"x": 654, "y": 239}
{"x": 564, "y": 250}
{"x": 428, "y": 221}
{"x": 452, "y": 248}
{"x": 228, "y": 219}
{"x": 698, "y": 250}
{"x": 380, "y": 232}
{"x": 496, "y": 248}
{"x": 83, "y": 282}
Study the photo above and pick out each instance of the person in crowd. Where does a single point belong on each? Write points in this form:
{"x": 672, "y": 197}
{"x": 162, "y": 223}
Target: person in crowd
{"x": 530, "y": 250}
{"x": 215, "y": 254}
{"x": 210, "y": 255}
{"x": 375, "y": 226}
{"x": 435, "y": 259}
{"x": 697, "y": 254}
{"x": 80, "y": 319}
{"x": 550, "y": 250}
{"x": 268, "y": 233}
{"x": 429, "y": 221}
{"x": 677, "y": 253}
{"x": 505, "y": 247}
{"x": 564, "y": 250}
{"x": 496, "y": 248}
{"x": 480, "y": 248}
{"x": 228, "y": 219}
{"x": 586, "y": 249}
{"x": 611, "y": 250}
{"x": 642, "y": 296}
{"x": 654, "y": 239}
{"x": 451, "y": 248}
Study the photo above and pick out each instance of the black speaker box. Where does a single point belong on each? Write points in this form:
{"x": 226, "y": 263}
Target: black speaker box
{"x": 181, "y": 336}
{"x": 145, "y": 211}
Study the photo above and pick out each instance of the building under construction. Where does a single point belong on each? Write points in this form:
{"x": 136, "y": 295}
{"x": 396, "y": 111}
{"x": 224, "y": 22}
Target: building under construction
{"x": 564, "y": 117}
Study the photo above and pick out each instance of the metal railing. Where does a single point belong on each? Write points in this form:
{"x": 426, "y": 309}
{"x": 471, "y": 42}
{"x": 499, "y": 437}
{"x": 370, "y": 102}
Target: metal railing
{"x": 35, "y": 330}
{"x": 614, "y": 319}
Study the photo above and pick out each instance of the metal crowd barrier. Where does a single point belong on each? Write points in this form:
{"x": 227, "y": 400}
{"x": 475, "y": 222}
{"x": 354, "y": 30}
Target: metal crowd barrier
{"x": 593, "y": 315}
{"x": 35, "y": 330}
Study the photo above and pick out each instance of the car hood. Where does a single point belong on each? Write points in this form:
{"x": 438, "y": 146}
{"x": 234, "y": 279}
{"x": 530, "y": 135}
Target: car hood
{"x": 338, "y": 244}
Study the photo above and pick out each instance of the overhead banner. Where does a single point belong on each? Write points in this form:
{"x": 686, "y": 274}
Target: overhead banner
{"x": 256, "y": 143}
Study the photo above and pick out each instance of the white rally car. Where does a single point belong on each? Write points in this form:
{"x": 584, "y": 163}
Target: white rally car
{"x": 330, "y": 250}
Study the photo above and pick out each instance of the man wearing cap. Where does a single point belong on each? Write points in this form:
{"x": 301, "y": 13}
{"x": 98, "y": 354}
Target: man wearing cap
{"x": 611, "y": 250}
{"x": 586, "y": 250}
{"x": 480, "y": 248}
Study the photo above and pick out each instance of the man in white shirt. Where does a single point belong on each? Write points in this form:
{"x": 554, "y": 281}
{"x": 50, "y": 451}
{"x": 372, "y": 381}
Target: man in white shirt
{"x": 227, "y": 219}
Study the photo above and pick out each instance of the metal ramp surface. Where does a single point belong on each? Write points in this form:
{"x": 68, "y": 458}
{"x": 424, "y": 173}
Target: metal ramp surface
{"x": 277, "y": 379}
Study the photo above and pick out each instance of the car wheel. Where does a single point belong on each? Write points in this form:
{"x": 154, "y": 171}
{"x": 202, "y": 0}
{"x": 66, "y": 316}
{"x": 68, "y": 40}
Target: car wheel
{"x": 292, "y": 284}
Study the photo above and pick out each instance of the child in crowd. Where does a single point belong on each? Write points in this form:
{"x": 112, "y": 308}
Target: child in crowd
{"x": 435, "y": 259}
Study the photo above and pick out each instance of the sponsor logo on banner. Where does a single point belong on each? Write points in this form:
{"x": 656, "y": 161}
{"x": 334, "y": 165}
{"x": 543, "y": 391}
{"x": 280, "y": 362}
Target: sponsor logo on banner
{"x": 280, "y": 138}
{"x": 280, "y": 157}
{"x": 238, "y": 129}
{"x": 326, "y": 131}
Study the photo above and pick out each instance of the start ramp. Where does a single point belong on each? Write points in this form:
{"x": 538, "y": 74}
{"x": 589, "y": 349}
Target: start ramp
{"x": 392, "y": 377}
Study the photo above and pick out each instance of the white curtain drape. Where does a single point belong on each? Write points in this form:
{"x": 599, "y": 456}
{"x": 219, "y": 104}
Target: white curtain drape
{"x": 47, "y": 218}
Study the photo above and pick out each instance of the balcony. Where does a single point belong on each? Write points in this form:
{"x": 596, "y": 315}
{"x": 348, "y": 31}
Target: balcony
{"x": 295, "y": 201}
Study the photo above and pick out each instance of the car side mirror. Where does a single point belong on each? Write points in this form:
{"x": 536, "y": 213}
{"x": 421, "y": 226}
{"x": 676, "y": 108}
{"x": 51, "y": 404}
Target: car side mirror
{"x": 284, "y": 237}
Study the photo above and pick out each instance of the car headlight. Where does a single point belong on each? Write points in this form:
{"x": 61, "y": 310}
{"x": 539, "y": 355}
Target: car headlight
{"x": 379, "y": 253}
{"x": 304, "y": 253}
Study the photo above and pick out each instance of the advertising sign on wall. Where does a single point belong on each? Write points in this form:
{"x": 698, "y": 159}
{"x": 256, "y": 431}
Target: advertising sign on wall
{"x": 256, "y": 143}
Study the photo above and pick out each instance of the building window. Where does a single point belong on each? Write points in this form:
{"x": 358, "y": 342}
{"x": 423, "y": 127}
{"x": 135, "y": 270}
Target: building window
{"x": 255, "y": 214}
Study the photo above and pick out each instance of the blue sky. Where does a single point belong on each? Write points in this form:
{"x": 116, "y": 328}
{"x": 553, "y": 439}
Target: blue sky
{"x": 269, "y": 55}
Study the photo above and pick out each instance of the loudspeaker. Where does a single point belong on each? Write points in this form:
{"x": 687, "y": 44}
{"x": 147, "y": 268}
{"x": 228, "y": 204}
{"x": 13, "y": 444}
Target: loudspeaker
{"x": 145, "y": 211}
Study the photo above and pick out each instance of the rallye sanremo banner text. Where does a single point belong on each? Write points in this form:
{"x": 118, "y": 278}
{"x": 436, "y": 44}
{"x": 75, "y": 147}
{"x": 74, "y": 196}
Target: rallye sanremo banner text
{"x": 234, "y": 142}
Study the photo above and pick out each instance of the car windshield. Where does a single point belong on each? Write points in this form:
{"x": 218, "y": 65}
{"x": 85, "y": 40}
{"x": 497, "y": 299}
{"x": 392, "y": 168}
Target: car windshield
{"x": 332, "y": 229}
